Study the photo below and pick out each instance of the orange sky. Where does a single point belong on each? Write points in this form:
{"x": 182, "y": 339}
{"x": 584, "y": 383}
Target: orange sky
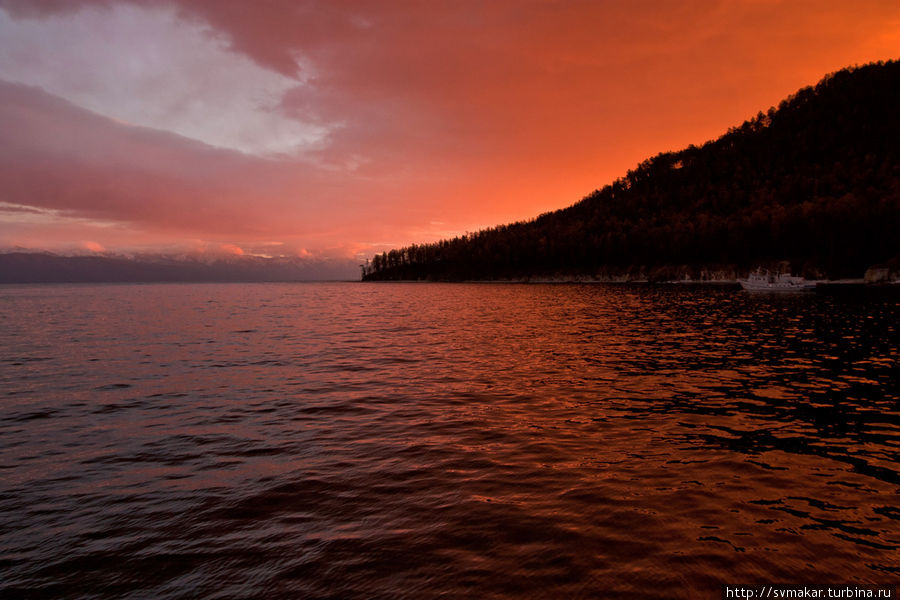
{"x": 330, "y": 128}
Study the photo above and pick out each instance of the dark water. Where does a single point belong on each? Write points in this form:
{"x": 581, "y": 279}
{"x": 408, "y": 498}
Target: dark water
{"x": 452, "y": 441}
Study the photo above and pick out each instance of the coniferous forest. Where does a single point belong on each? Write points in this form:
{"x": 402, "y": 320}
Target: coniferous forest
{"x": 814, "y": 183}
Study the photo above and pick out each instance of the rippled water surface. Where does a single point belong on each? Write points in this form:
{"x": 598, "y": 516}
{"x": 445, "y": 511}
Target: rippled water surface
{"x": 453, "y": 441}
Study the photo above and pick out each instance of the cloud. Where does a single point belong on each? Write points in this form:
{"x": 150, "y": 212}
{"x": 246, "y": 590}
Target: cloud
{"x": 59, "y": 157}
{"x": 148, "y": 67}
{"x": 64, "y": 169}
{"x": 232, "y": 249}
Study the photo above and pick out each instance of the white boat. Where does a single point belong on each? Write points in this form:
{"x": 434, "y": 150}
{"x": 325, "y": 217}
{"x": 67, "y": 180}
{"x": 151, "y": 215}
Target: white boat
{"x": 762, "y": 281}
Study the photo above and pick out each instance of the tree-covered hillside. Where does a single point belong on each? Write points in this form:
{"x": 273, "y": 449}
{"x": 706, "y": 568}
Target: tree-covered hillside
{"x": 815, "y": 181}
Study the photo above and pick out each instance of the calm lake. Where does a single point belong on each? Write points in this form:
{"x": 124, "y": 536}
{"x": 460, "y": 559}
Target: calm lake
{"x": 350, "y": 440}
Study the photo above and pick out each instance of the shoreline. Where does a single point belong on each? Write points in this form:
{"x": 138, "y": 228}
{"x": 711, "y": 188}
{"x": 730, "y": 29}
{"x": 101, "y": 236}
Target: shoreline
{"x": 820, "y": 284}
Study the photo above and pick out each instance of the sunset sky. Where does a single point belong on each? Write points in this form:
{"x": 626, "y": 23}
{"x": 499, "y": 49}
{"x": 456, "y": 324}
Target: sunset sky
{"x": 330, "y": 128}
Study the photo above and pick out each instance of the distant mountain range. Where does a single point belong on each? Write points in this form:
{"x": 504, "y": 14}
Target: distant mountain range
{"x": 28, "y": 267}
{"x": 813, "y": 183}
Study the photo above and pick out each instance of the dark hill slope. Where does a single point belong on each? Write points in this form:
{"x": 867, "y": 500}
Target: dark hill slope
{"x": 815, "y": 182}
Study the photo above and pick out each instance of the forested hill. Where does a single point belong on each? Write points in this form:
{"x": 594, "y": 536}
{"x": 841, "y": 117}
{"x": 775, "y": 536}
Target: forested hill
{"x": 815, "y": 182}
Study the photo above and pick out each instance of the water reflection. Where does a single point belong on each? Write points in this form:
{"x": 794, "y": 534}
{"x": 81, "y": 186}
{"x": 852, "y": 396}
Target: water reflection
{"x": 395, "y": 440}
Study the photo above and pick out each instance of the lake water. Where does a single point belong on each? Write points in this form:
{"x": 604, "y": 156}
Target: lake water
{"x": 350, "y": 440}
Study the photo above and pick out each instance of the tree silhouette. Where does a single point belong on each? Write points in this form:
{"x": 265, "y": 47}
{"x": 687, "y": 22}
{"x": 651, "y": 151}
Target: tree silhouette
{"x": 815, "y": 182}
